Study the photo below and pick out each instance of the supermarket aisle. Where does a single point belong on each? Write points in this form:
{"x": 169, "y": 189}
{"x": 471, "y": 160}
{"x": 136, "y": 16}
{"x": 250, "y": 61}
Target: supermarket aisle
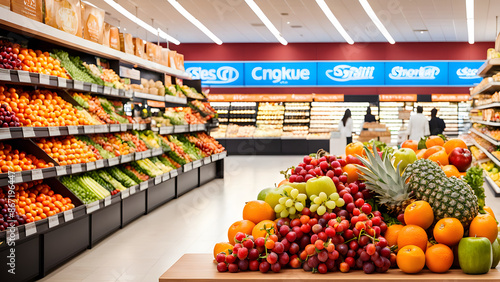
{"x": 147, "y": 247}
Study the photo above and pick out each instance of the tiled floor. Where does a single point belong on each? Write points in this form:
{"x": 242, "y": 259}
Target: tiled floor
{"x": 147, "y": 247}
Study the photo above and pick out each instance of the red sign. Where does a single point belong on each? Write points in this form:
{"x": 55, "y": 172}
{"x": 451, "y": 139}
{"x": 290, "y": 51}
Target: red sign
{"x": 397, "y": 97}
{"x": 450, "y": 97}
{"x": 156, "y": 104}
{"x": 329, "y": 97}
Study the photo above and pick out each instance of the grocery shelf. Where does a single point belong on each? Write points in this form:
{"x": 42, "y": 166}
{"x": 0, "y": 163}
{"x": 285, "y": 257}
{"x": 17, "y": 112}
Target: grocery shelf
{"x": 489, "y": 68}
{"x": 174, "y": 129}
{"x": 487, "y": 106}
{"x": 489, "y": 88}
{"x": 486, "y": 137}
{"x": 487, "y": 153}
{"x": 15, "y": 22}
{"x": 491, "y": 123}
{"x": 493, "y": 186}
{"x": 166, "y": 98}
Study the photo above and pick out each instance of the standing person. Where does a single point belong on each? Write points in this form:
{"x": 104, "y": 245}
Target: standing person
{"x": 436, "y": 124}
{"x": 345, "y": 126}
{"x": 418, "y": 126}
{"x": 369, "y": 117}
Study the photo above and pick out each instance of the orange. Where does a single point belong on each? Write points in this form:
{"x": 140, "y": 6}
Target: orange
{"x": 391, "y": 235}
{"x": 419, "y": 213}
{"x": 454, "y": 143}
{"x": 434, "y": 141}
{"x": 451, "y": 170}
{"x": 420, "y": 154}
{"x": 412, "y": 235}
{"x": 245, "y": 226}
{"x": 439, "y": 258}
{"x": 258, "y": 230}
{"x": 283, "y": 182}
{"x": 354, "y": 149}
{"x": 410, "y": 144}
{"x": 440, "y": 157}
{"x": 432, "y": 150}
{"x": 484, "y": 225}
{"x": 489, "y": 211}
{"x": 448, "y": 231}
{"x": 222, "y": 247}
{"x": 411, "y": 259}
{"x": 352, "y": 172}
{"x": 257, "y": 211}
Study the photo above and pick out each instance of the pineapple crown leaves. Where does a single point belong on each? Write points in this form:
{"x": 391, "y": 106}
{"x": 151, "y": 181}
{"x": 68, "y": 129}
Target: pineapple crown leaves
{"x": 382, "y": 178}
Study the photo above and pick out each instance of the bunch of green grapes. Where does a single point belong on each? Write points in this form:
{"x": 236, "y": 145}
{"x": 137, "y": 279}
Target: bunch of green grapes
{"x": 291, "y": 203}
{"x": 323, "y": 203}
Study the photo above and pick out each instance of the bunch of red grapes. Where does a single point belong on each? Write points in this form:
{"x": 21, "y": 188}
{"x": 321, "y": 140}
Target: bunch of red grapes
{"x": 7, "y": 117}
{"x": 8, "y": 59}
{"x": 347, "y": 238}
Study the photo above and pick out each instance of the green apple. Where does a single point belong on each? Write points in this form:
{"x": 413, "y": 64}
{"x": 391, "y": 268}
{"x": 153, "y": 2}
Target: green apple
{"x": 299, "y": 186}
{"x": 273, "y": 196}
{"x": 263, "y": 193}
{"x": 404, "y": 157}
{"x": 496, "y": 253}
{"x": 475, "y": 255}
{"x": 314, "y": 186}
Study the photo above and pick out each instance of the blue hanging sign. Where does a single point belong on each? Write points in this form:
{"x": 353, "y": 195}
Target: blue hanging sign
{"x": 217, "y": 73}
{"x": 350, "y": 73}
{"x": 464, "y": 72}
{"x": 280, "y": 74}
{"x": 418, "y": 73}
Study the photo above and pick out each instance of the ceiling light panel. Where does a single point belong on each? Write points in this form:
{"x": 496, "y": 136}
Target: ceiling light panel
{"x": 331, "y": 17}
{"x": 256, "y": 9}
{"x": 140, "y": 22}
{"x": 369, "y": 11}
{"x": 469, "y": 6}
{"x": 195, "y": 21}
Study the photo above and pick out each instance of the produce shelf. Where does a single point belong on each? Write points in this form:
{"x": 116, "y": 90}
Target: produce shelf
{"x": 489, "y": 68}
{"x": 206, "y": 270}
{"x": 487, "y": 106}
{"x": 493, "y": 186}
{"x": 492, "y": 123}
{"x": 489, "y": 88}
{"x": 487, "y": 137}
{"x": 17, "y": 23}
{"x": 488, "y": 154}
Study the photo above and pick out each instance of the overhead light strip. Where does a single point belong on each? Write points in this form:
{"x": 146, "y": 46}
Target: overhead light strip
{"x": 369, "y": 11}
{"x": 141, "y": 23}
{"x": 266, "y": 21}
{"x": 334, "y": 21}
{"x": 194, "y": 21}
{"x": 469, "y": 5}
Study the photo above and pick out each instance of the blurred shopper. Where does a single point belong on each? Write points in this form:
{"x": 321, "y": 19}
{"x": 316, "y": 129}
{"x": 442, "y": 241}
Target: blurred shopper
{"x": 436, "y": 124}
{"x": 369, "y": 117}
{"x": 418, "y": 126}
{"x": 345, "y": 127}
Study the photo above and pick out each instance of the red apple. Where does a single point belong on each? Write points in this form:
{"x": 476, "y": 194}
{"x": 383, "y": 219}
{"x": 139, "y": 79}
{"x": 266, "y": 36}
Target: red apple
{"x": 461, "y": 158}
{"x": 353, "y": 160}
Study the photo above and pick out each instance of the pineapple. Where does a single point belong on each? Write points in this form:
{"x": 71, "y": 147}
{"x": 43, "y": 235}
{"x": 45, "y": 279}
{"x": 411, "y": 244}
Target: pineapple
{"x": 382, "y": 178}
{"x": 421, "y": 180}
{"x": 448, "y": 196}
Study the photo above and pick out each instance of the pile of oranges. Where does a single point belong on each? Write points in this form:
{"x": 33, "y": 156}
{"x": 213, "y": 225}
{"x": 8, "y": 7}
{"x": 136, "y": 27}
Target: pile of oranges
{"x": 13, "y": 160}
{"x": 415, "y": 249}
{"x": 67, "y": 150}
{"x": 38, "y": 61}
{"x": 41, "y": 108}
{"x": 36, "y": 201}
{"x": 438, "y": 151}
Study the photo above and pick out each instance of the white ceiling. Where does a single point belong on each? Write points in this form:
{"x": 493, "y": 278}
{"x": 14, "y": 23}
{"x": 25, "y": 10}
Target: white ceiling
{"x": 233, "y": 20}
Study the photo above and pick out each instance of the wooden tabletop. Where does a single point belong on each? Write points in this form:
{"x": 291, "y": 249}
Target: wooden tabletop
{"x": 200, "y": 267}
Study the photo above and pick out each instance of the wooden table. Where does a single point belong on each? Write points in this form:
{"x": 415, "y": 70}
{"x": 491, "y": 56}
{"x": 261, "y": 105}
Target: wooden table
{"x": 200, "y": 267}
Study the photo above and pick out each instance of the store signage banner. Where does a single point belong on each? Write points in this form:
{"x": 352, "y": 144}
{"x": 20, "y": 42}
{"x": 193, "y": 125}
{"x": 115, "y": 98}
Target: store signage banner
{"x": 421, "y": 73}
{"x": 217, "y": 74}
{"x": 280, "y": 73}
{"x": 351, "y": 73}
{"x": 335, "y": 73}
{"x": 464, "y": 73}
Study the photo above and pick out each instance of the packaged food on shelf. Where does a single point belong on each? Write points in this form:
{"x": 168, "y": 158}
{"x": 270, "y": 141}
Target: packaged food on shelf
{"x": 477, "y": 154}
{"x": 234, "y": 130}
{"x": 114, "y": 38}
{"x": 5, "y": 4}
{"x": 92, "y": 22}
{"x": 65, "y": 15}
{"x": 139, "y": 47}
{"x": 149, "y": 87}
{"x": 29, "y": 9}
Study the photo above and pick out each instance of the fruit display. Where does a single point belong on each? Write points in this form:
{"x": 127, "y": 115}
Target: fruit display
{"x": 296, "y": 121}
{"x": 67, "y": 150}
{"x": 488, "y": 130}
{"x": 205, "y": 143}
{"x": 74, "y": 66}
{"x": 173, "y": 90}
{"x": 190, "y": 92}
{"x": 8, "y": 117}
{"x": 40, "y": 108}
{"x": 374, "y": 209}
{"x": 493, "y": 171}
{"x": 14, "y": 160}
{"x": 100, "y": 108}
{"x": 109, "y": 76}
{"x": 270, "y": 116}
{"x": 181, "y": 141}
{"x": 33, "y": 201}
{"x": 9, "y": 56}
{"x": 149, "y": 87}
{"x": 203, "y": 108}
{"x": 477, "y": 154}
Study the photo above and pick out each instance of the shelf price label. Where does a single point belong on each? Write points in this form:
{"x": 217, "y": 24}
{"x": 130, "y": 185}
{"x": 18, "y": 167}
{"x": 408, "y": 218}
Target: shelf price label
{"x": 92, "y": 207}
{"x": 207, "y": 160}
{"x": 19, "y": 177}
{"x": 158, "y": 180}
{"x": 143, "y": 185}
{"x": 93, "y": 88}
{"x": 91, "y": 166}
{"x": 5, "y": 133}
{"x": 188, "y": 167}
{"x": 61, "y": 170}
{"x": 123, "y": 127}
{"x": 5, "y": 75}
{"x": 54, "y": 131}
{"x": 53, "y": 221}
{"x": 44, "y": 79}
{"x": 36, "y": 174}
{"x": 68, "y": 215}
{"x": 115, "y": 91}
{"x": 76, "y": 168}
{"x": 30, "y": 228}
{"x": 174, "y": 173}
{"x": 196, "y": 163}
{"x": 24, "y": 76}
{"x": 62, "y": 82}
{"x": 89, "y": 129}
{"x": 107, "y": 201}
{"x": 127, "y": 158}
{"x": 166, "y": 130}
{"x": 165, "y": 176}
{"x": 78, "y": 85}
{"x": 28, "y": 132}
{"x": 223, "y": 155}
{"x": 99, "y": 164}
{"x": 107, "y": 90}
{"x": 133, "y": 189}
{"x": 72, "y": 129}
{"x": 113, "y": 161}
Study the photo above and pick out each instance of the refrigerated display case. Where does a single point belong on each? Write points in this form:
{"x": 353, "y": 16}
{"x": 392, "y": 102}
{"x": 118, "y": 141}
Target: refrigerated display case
{"x": 296, "y": 121}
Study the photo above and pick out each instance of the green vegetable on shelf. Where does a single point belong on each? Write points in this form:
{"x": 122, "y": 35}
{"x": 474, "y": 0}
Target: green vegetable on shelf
{"x": 121, "y": 177}
{"x": 474, "y": 177}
